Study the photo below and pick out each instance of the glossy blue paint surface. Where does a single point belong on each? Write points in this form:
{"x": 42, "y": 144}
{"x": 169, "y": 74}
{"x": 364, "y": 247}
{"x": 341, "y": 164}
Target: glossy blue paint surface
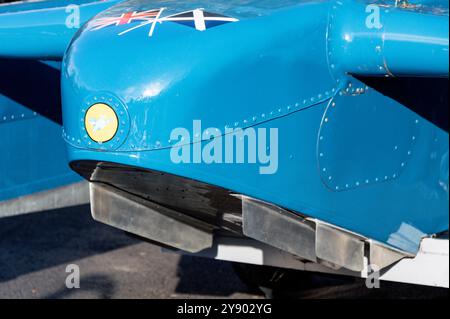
{"x": 32, "y": 151}
{"x": 39, "y": 30}
{"x": 232, "y": 75}
{"x": 18, "y": 6}
{"x": 272, "y": 69}
{"x": 401, "y": 42}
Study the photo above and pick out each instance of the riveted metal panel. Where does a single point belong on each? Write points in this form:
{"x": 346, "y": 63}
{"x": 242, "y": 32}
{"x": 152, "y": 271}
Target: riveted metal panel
{"x": 359, "y": 143}
{"x": 245, "y": 74}
{"x": 11, "y": 112}
{"x": 227, "y": 77}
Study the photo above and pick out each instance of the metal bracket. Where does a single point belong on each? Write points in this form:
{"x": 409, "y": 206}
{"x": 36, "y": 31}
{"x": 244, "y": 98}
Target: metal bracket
{"x": 312, "y": 239}
{"x": 278, "y": 228}
{"x": 149, "y": 220}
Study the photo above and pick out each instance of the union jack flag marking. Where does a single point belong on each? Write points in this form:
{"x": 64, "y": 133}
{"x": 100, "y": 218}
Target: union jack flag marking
{"x": 125, "y": 18}
{"x": 198, "y": 19}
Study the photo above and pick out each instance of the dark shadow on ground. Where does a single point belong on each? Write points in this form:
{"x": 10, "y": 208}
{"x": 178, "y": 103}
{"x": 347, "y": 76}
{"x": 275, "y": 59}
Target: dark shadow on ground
{"x": 100, "y": 286}
{"x": 40, "y": 240}
{"x": 355, "y": 288}
{"x": 202, "y": 276}
{"x": 29, "y": 243}
{"x": 207, "y": 277}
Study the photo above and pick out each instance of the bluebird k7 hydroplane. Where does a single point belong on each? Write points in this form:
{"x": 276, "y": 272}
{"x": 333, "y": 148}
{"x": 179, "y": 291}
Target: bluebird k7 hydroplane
{"x": 314, "y": 133}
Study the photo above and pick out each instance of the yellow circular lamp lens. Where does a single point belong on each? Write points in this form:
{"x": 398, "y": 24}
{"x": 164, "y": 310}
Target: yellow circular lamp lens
{"x": 101, "y": 123}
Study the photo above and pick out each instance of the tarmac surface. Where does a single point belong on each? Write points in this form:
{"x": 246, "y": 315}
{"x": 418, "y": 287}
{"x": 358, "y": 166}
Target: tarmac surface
{"x": 35, "y": 250}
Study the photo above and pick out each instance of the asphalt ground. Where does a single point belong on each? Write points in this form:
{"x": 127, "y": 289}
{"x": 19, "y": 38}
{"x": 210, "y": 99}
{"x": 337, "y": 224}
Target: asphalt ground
{"x": 35, "y": 250}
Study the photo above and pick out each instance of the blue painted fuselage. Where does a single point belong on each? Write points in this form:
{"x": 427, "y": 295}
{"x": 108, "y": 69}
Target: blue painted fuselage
{"x": 359, "y": 143}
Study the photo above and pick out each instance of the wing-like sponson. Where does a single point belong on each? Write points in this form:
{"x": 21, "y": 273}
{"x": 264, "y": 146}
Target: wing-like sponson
{"x": 43, "y": 29}
{"x": 32, "y": 152}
